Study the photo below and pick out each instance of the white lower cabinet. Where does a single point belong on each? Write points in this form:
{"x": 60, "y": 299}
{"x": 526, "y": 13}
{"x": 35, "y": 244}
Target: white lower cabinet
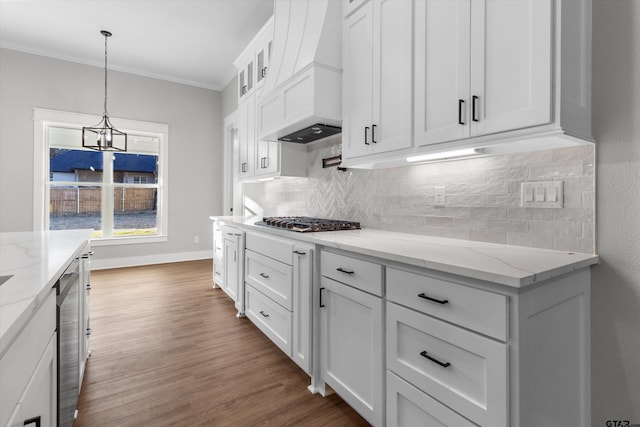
{"x": 39, "y": 404}
{"x": 460, "y": 368}
{"x": 407, "y": 406}
{"x": 278, "y": 280}
{"x": 270, "y": 317}
{"x": 218, "y": 255}
{"x": 85, "y": 310}
{"x": 233, "y": 249}
{"x": 28, "y": 371}
{"x": 302, "y": 309}
{"x": 352, "y": 347}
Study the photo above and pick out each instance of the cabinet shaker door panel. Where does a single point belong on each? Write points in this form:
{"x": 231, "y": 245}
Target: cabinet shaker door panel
{"x": 441, "y": 71}
{"x": 511, "y": 64}
{"x": 357, "y": 82}
{"x": 391, "y": 126}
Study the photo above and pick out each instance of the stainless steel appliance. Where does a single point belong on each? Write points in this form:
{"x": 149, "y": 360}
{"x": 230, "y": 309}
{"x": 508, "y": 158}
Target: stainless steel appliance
{"x": 305, "y": 224}
{"x": 68, "y": 352}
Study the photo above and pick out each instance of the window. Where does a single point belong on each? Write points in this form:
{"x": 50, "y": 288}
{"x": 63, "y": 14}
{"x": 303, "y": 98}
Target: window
{"x": 121, "y": 195}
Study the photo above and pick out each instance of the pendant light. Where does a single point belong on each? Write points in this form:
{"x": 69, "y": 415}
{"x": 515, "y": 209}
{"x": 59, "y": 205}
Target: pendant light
{"x": 104, "y": 136}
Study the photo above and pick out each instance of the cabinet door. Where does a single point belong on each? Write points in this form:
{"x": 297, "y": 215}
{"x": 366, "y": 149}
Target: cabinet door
{"x": 357, "y": 83}
{"x": 391, "y": 125}
{"x": 246, "y": 136}
{"x": 302, "y": 285}
{"x": 267, "y": 156}
{"x": 231, "y": 268}
{"x": 510, "y": 64}
{"x": 409, "y": 407}
{"x": 85, "y": 307}
{"x": 442, "y": 31}
{"x": 351, "y": 347}
{"x": 38, "y": 405}
{"x": 262, "y": 61}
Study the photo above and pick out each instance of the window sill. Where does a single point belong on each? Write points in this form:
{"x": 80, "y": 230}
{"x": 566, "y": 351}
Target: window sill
{"x": 132, "y": 240}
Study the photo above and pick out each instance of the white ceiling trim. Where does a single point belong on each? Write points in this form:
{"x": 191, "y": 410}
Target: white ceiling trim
{"x": 84, "y": 61}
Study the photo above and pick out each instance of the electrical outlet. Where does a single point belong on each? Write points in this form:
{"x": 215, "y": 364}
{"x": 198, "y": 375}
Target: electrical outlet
{"x": 439, "y": 196}
{"x": 196, "y": 239}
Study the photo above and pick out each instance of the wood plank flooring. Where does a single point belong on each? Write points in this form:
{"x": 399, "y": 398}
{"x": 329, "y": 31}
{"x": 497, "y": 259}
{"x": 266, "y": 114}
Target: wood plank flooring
{"x": 167, "y": 350}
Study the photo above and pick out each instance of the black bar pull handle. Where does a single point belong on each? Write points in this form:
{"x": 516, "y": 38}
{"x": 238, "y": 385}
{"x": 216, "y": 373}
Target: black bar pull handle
{"x": 264, "y": 314}
{"x": 321, "y": 303}
{"x": 88, "y": 332}
{"x": 474, "y": 102}
{"x": 460, "y": 108}
{"x": 433, "y": 359}
{"x": 373, "y": 134}
{"x": 33, "y": 420}
{"x": 439, "y": 301}
{"x": 265, "y": 276}
{"x": 342, "y": 270}
{"x": 299, "y": 252}
{"x": 366, "y": 132}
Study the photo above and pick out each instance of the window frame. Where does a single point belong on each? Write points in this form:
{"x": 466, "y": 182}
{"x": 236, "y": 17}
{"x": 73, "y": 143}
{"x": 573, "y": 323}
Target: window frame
{"x": 44, "y": 118}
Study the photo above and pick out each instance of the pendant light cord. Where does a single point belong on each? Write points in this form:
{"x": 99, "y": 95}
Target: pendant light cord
{"x": 105, "y": 74}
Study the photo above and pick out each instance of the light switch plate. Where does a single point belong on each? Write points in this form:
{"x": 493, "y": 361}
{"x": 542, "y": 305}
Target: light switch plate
{"x": 541, "y": 194}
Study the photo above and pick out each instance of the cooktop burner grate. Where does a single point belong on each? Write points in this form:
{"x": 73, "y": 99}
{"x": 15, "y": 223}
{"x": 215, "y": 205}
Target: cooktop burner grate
{"x": 306, "y": 224}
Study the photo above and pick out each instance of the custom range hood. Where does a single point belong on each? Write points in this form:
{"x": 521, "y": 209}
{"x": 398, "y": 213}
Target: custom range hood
{"x": 301, "y": 99}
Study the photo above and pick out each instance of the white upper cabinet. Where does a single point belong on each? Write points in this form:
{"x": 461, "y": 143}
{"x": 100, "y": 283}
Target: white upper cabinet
{"x": 482, "y": 67}
{"x": 246, "y": 136}
{"x": 253, "y": 62}
{"x": 442, "y": 71}
{"x": 377, "y": 78}
{"x": 511, "y": 60}
{"x": 498, "y": 76}
{"x": 258, "y": 158}
{"x": 263, "y": 57}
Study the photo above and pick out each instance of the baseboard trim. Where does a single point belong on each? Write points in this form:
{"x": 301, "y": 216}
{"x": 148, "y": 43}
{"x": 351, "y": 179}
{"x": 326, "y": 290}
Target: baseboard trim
{"x": 105, "y": 264}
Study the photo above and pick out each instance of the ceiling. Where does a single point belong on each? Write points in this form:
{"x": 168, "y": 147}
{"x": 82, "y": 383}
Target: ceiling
{"x": 187, "y": 41}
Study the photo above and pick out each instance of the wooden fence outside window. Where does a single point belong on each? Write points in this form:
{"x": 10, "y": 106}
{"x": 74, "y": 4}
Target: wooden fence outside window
{"x": 88, "y": 200}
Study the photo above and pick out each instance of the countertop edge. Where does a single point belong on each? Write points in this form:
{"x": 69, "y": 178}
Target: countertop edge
{"x": 583, "y": 260}
{"x": 17, "y": 324}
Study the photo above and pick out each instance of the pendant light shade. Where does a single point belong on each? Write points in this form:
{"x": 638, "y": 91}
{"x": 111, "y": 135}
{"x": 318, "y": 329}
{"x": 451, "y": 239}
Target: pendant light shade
{"x": 104, "y": 136}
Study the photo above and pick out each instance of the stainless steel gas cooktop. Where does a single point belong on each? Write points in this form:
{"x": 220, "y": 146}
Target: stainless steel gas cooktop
{"x": 304, "y": 224}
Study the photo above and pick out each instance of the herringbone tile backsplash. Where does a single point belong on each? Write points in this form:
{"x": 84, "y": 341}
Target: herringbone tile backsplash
{"x": 482, "y": 197}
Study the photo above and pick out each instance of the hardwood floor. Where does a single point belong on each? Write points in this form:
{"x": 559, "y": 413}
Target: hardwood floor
{"x": 167, "y": 350}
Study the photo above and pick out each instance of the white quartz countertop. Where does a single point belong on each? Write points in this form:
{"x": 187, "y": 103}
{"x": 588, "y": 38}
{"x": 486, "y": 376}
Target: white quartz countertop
{"x": 514, "y": 266}
{"x": 35, "y": 260}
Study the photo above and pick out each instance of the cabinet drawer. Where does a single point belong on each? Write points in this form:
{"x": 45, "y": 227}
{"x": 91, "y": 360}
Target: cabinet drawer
{"x": 481, "y": 311}
{"x": 272, "y": 319}
{"x": 217, "y": 248}
{"x": 229, "y": 232}
{"x": 278, "y": 249}
{"x": 363, "y": 275}
{"x": 21, "y": 359}
{"x": 463, "y": 370}
{"x": 270, "y": 277}
{"x": 407, "y": 407}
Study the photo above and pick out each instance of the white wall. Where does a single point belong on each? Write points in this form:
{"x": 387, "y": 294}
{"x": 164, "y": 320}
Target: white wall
{"x": 616, "y": 281}
{"x": 195, "y": 143}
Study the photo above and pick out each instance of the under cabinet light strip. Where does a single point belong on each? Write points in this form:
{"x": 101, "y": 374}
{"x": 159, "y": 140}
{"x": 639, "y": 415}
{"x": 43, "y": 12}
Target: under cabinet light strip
{"x": 443, "y": 155}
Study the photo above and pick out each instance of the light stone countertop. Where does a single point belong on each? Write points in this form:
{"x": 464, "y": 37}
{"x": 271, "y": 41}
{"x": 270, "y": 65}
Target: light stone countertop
{"x": 514, "y": 266}
{"x": 35, "y": 260}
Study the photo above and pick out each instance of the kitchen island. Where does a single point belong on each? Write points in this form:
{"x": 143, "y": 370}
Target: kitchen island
{"x": 30, "y": 338}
